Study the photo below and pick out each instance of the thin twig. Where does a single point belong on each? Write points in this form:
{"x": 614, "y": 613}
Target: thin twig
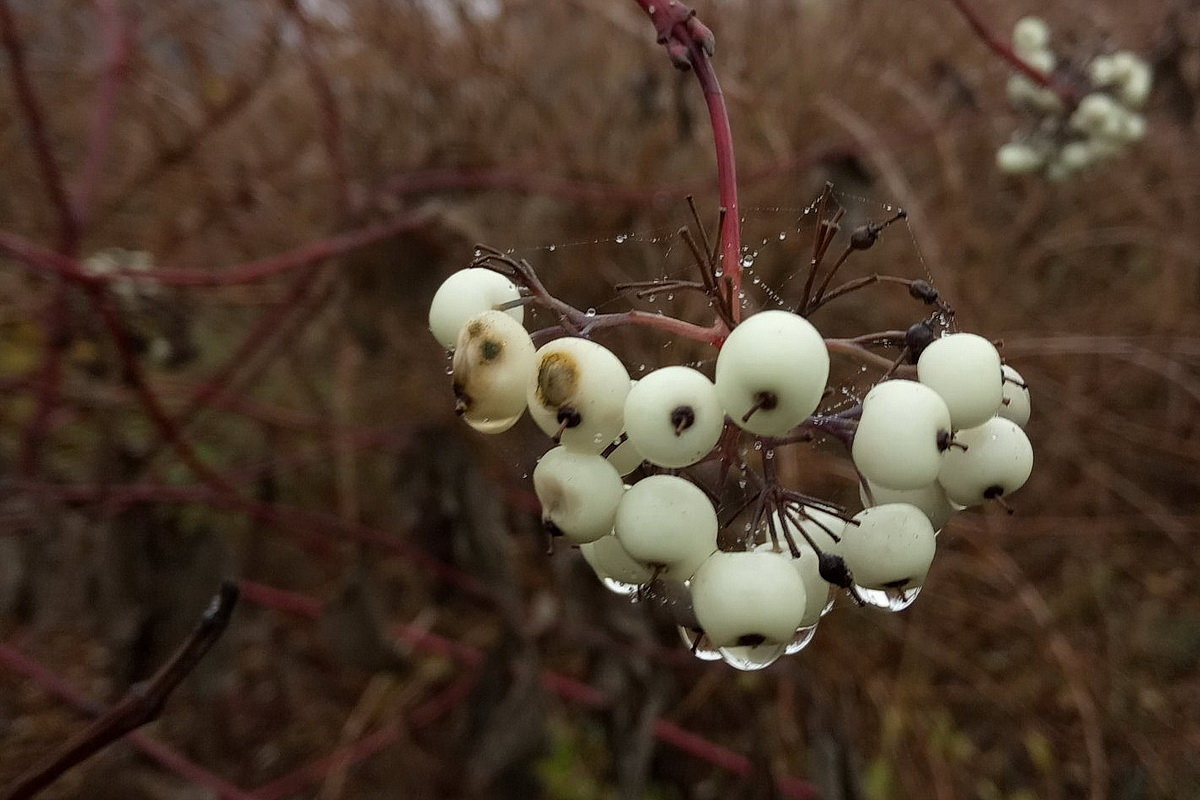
{"x": 143, "y": 702}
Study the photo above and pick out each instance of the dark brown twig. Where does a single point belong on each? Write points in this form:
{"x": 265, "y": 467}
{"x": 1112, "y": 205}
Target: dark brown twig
{"x": 143, "y": 702}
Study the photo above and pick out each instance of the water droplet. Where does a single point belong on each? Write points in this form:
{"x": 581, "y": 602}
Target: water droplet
{"x": 670, "y": 297}
{"x": 782, "y": 236}
{"x": 832, "y": 596}
{"x": 552, "y": 248}
{"x": 747, "y": 261}
{"x": 619, "y": 587}
{"x": 889, "y": 599}
{"x": 800, "y": 640}
{"x": 770, "y": 454}
{"x": 749, "y": 659}
{"x": 591, "y": 312}
{"x": 621, "y": 237}
{"x": 704, "y": 651}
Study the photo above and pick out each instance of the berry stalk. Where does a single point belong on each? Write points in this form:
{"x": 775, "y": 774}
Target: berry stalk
{"x": 690, "y": 44}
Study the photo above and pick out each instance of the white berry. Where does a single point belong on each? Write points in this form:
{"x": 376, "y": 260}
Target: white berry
{"x": 673, "y": 416}
{"x": 580, "y": 385}
{"x": 891, "y": 547}
{"x": 493, "y": 364}
{"x": 1015, "y": 405}
{"x": 771, "y": 372}
{"x": 669, "y": 522}
{"x": 900, "y": 433}
{"x": 579, "y": 493}
{"x": 463, "y": 295}
{"x": 964, "y": 369}
{"x": 997, "y": 461}
{"x": 748, "y": 598}
{"x": 611, "y": 563}
{"x": 930, "y": 498}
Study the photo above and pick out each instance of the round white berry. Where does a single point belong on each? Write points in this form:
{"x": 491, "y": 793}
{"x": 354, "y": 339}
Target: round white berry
{"x": 580, "y": 385}
{"x": 493, "y": 364}
{"x": 579, "y": 493}
{"x": 1096, "y": 114}
{"x": 891, "y": 547}
{"x": 808, "y": 567}
{"x": 625, "y": 457}
{"x": 668, "y": 522}
{"x": 673, "y": 416}
{"x": 965, "y": 370}
{"x": 1017, "y": 158}
{"x": 1076, "y": 156}
{"x": 900, "y": 434}
{"x": 749, "y": 599}
{"x": 1030, "y": 35}
{"x": 1015, "y": 405}
{"x": 997, "y": 461}
{"x": 771, "y": 372}
{"x": 612, "y": 565}
{"x": 930, "y": 498}
{"x": 463, "y": 295}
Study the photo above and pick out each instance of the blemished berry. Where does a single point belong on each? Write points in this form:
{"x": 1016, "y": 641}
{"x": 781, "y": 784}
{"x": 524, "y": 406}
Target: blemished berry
{"x": 900, "y": 435}
{"x": 771, "y": 372}
{"x": 463, "y": 295}
{"x": 492, "y": 366}
{"x": 579, "y": 493}
{"x": 891, "y": 547}
{"x": 667, "y": 522}
{"x": 577, "y": 393}
{"x": 964, "y": 369}
{"x": 749, "y": 598}
{"x": 673, "y": 416}
{"x": 997, "y": 461}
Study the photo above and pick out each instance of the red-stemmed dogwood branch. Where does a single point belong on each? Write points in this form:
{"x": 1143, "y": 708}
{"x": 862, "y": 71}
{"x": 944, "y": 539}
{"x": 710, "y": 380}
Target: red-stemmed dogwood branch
{"x": 691, "y": 44}
{"x": 1002, "y": 48}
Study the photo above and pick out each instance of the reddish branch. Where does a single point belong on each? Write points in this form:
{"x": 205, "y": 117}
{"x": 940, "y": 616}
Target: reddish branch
{"x": 691, "y": 44}
{"x": 34, "y": 119}
{"x": 564, "y": 686}
{"x": 143, "y": 703}
{"x": 1004, "y": 49}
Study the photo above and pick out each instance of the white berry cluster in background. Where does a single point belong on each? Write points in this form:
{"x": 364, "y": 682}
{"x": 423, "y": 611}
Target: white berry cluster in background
{"x": 1088, "y": 114}
{"x": 670, "y": 486}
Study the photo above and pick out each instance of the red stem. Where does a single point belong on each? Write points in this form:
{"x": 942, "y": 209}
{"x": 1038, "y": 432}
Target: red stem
{"x": 1002, "y": 48}
{"x": 690, "y": 43}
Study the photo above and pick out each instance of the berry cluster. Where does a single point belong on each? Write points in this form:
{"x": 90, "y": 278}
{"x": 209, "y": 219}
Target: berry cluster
{"x": 1066, "y": 136}
{"x": 746, "y": 571}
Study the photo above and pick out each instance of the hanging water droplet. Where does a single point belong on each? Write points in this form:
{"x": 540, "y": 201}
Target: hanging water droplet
{"x": 702, "y": 650}
{"x": 750, "y": 658}
{"x": 889, "y": 599}
{"x": 621, "y": 237}
{"x": 770, "y": 454}
{"x": 552, "y": 248}
{"x": 591, "y": 312}
{"x": 670, "y": 297}
{"x": 619, "y": 587}
{"x": 800, "y": 640}
{"x": 747, "y": 261}
{"x": 782, "y": 236}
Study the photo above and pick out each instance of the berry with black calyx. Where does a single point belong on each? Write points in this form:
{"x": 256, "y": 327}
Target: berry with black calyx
{"x": 834, "y": 570}
{"x": 918, "y": 336}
